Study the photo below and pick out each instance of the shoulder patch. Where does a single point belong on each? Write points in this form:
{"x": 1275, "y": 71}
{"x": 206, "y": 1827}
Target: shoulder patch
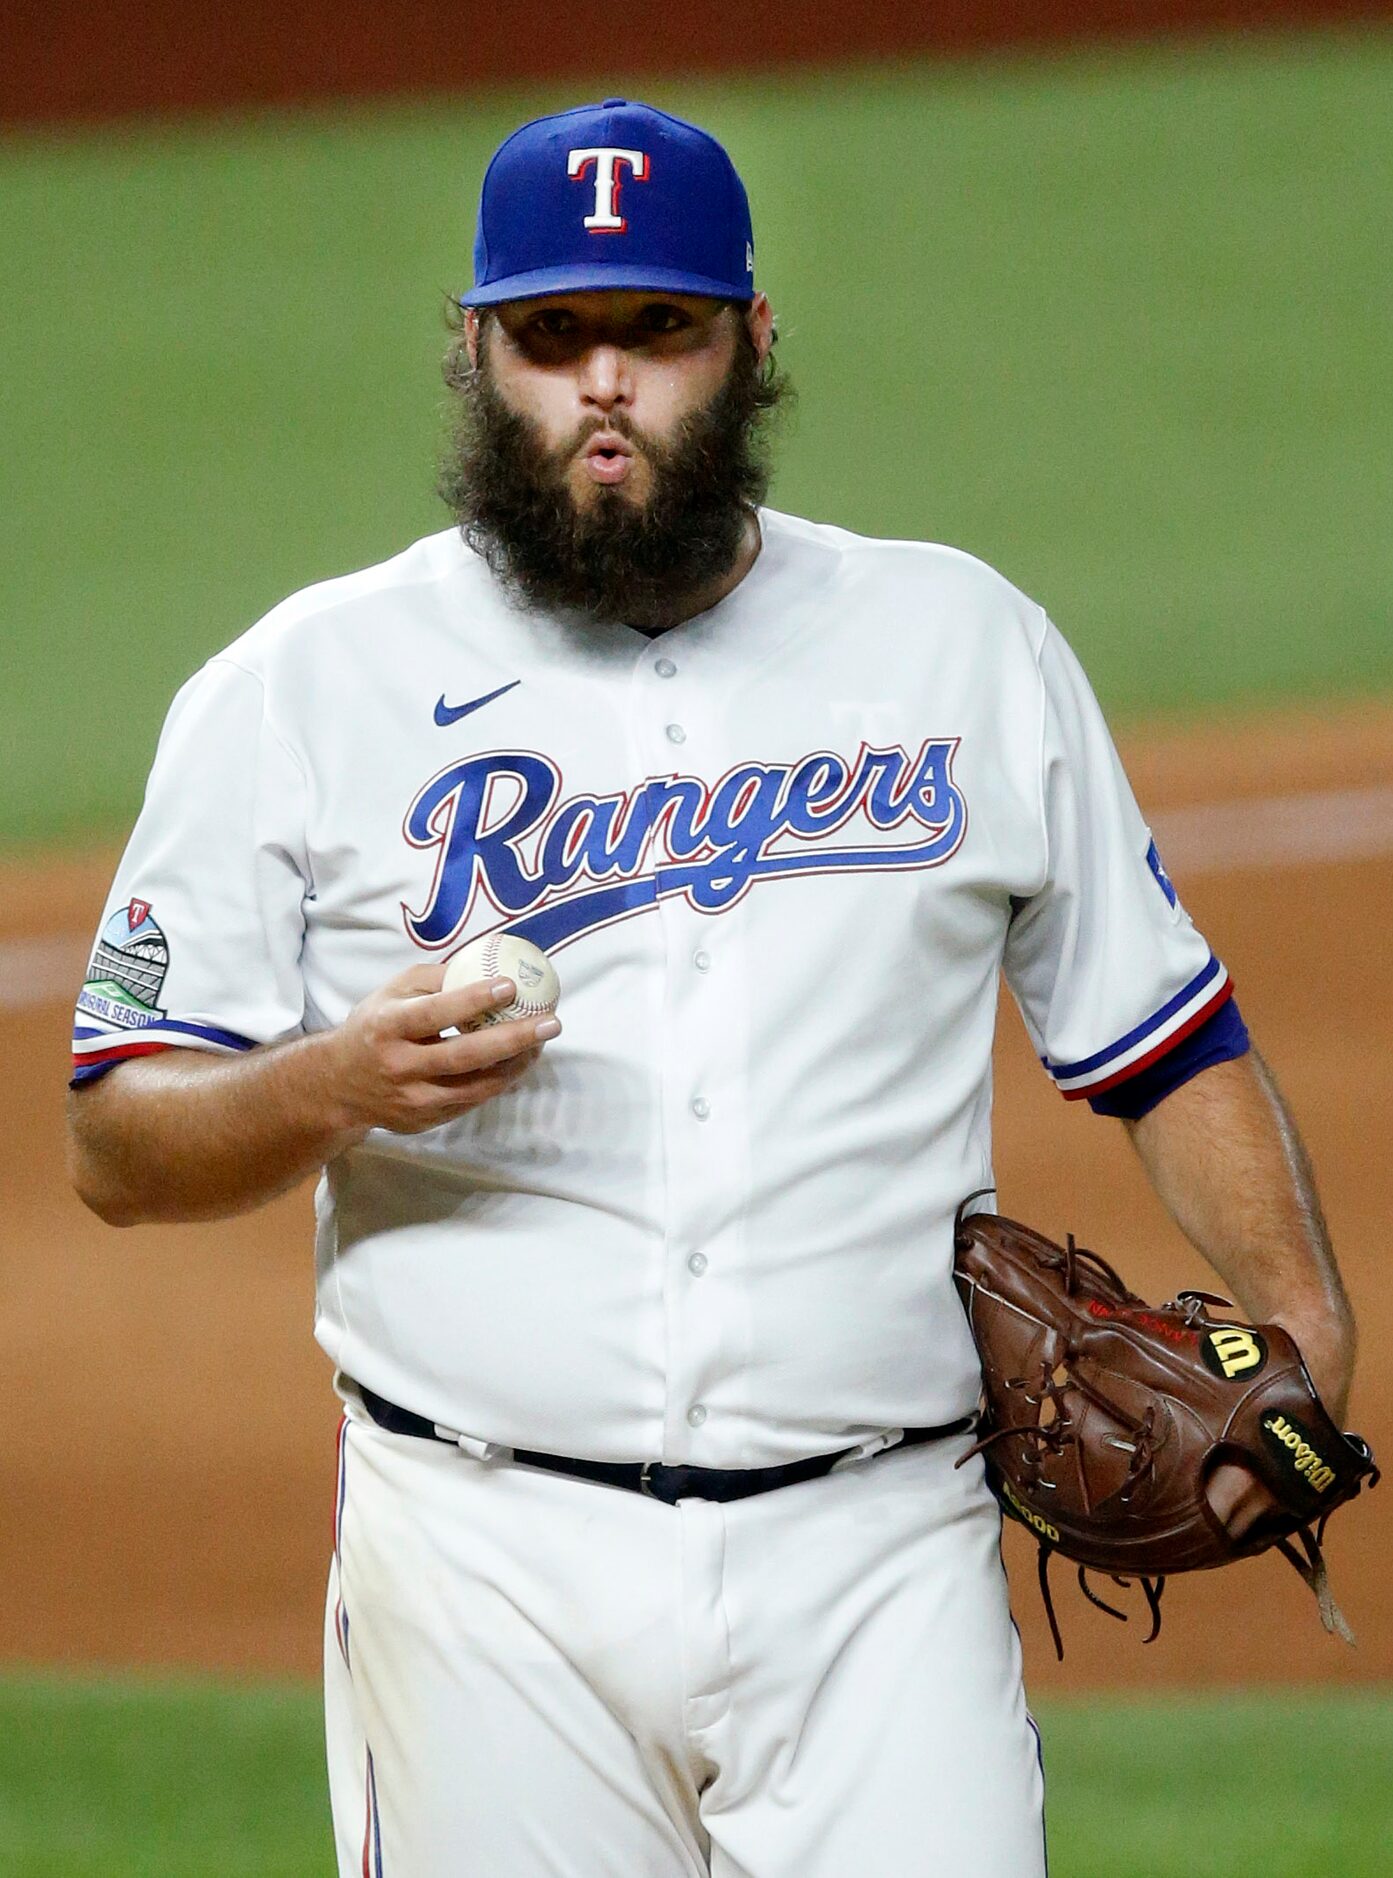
{"x": 127, "y": 970}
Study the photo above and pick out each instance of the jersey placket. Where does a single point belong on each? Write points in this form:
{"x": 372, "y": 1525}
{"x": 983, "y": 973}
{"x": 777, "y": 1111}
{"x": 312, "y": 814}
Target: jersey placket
{"x": 704, "y": 1123}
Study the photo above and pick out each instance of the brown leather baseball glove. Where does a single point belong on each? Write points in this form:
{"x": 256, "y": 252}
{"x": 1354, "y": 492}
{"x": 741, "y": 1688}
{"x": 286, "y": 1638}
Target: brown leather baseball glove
{"x": 1105, "y": 1419}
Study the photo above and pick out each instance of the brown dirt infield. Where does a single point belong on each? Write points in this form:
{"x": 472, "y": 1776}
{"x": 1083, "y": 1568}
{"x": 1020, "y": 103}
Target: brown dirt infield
{"x": 167, "y": 1460}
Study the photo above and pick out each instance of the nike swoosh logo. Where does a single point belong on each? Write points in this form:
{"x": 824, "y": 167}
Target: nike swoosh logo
{"x": 447, "y": 714}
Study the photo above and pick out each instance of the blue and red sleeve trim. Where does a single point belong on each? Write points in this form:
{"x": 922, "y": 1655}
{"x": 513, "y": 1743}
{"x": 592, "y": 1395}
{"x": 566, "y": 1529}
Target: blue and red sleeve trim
{"x": 1178, "y": 1018}
{"x": 97, "y": 1050}
{"x": 1220, "y": 1038}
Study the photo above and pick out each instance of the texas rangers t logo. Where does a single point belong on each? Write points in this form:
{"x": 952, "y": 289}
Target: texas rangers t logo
{"x": 606, "y": 219}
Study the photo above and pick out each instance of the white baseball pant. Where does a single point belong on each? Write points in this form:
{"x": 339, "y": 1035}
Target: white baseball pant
{"x": 532, "y": 1676}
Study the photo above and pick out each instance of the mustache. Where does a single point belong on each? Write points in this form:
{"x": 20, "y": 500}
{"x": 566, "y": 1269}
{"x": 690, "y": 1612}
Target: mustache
{"x": 616, "y": 424}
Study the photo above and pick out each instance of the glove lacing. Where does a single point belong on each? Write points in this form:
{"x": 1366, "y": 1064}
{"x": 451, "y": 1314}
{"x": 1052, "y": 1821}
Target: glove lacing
{"x": 1055, "y": 1436}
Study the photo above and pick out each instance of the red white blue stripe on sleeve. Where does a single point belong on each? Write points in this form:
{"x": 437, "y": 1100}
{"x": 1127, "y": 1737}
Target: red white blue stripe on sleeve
{"x": 1150, "y": 1041}
{"x": 97, "y": 1050}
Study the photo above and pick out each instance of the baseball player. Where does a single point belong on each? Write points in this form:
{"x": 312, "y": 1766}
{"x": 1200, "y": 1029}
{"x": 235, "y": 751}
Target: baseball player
{"x": 651, "y": 1555}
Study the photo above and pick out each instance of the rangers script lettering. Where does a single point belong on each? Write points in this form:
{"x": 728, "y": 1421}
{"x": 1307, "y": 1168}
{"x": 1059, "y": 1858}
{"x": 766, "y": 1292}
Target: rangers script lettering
{"x": 670, "y": 835}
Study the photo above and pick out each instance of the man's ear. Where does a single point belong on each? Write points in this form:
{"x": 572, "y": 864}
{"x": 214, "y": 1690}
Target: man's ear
{"x": 759, "y": 323}
{"x": 471, "y": 335}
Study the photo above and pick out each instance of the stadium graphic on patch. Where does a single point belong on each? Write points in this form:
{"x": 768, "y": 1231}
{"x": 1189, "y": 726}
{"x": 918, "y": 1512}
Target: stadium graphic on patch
{"x": 126, "y": 975}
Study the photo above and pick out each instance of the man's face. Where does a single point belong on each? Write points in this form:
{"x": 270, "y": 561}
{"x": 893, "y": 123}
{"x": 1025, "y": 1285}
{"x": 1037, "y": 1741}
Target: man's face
{"x": 608, "y": 448}
{"x": 595, "y": 374}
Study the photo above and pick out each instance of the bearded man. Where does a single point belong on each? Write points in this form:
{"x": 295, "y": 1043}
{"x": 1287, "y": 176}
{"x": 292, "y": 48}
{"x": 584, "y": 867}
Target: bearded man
{"x": 652, "y": 1550}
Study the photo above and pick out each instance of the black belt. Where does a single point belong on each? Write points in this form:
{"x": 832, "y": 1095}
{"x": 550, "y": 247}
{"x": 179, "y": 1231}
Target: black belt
{"x": 656, "y": 1478}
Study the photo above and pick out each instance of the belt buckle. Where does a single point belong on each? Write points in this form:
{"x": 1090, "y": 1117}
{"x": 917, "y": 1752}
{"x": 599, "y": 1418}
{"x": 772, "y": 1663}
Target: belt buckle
{"x": 645, "y": 1479}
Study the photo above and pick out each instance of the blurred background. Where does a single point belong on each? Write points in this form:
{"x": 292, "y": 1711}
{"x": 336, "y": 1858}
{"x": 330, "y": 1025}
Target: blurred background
{"x": 1098, "y": 292}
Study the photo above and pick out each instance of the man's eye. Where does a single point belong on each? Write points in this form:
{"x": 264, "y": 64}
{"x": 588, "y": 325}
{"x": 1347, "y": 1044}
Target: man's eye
{"x": 554, "y": 325}
{"x": 662, "y": 319}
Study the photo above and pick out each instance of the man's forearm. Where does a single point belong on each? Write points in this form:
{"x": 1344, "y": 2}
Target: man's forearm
{"x": 1223, "y": 1154}
{"x": 188, "y": 1135}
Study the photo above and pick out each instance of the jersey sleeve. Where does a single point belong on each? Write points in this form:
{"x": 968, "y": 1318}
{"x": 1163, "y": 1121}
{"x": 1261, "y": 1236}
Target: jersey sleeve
{"x": 199, "y": 943}
{"x": 1106, "y": 965}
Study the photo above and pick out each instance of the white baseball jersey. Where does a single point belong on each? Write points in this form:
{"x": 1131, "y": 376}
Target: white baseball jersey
{"x": 780, "y": 855}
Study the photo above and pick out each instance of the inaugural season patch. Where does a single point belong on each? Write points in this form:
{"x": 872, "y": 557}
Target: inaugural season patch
{"x": 127, "y": 972}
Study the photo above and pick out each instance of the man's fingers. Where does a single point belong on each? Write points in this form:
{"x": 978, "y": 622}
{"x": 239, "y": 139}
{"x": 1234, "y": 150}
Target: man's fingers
{"x": 509, "y": 1070}
{"x": 415, "y": 980}
{"x": 453, "y": 1096}
{"x": 1237, "y": 1498}
{"x": 425, "y": 1017}
{"x": 483, "y": 1049}
{"x": 471, "y": 1092}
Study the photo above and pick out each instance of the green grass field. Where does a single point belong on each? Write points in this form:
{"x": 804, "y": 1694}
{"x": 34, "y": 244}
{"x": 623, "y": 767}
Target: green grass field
{"x": 1116, "y": 322}
{"x": 202, "y": 1781}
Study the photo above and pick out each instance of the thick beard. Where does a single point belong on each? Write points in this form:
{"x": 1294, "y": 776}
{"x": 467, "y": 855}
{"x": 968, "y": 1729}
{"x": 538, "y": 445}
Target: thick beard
{"x": 612, "y": 560}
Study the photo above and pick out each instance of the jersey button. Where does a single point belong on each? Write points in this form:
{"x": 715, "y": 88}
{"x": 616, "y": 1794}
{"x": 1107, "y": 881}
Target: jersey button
{"x": 696, "y": 1415}
{"x": 676, "y": 734}
{"x": 702, "y": 961}
{"x": 701, "y": 1108}
{"x": 665, "y": 668}
{"x": 696, "y": 1264}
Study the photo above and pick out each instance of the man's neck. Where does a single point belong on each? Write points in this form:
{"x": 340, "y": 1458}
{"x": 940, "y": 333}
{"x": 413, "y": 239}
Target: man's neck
{"x": 704, "y": 598}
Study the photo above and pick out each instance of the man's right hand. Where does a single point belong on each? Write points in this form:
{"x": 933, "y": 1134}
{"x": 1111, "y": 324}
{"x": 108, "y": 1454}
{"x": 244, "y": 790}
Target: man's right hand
{"x": 390, "y": 1066}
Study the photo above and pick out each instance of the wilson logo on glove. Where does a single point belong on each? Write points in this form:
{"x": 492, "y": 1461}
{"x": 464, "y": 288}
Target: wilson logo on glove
{"x": 1233, "y": 1352}
{"x": 1291, "y": 1441}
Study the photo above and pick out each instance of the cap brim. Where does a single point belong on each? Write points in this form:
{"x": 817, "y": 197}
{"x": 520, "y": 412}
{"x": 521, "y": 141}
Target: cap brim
{"x": 599, "y": 277}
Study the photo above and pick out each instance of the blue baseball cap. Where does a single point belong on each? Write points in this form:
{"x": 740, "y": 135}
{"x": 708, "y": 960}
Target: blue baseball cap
{"x": 611, "y": 195}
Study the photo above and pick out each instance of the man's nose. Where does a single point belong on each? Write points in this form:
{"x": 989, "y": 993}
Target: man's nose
{"x": 606, "y": 379}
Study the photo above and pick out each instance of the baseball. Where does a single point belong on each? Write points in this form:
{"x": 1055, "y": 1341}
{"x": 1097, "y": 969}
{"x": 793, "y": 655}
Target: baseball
{"x": 500, "y": 955}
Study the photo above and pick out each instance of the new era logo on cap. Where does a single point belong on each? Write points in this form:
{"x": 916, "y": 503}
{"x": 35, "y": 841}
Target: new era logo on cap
{"x": 604, "y": 170}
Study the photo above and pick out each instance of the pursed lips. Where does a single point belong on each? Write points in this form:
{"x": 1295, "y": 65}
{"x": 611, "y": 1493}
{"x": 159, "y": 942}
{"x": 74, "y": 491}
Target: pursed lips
{"x": 608, "y": 457}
